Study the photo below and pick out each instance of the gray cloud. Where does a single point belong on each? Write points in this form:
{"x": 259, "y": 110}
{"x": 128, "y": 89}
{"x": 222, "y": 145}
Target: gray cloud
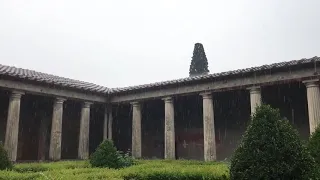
{"x": 121, "y": 43}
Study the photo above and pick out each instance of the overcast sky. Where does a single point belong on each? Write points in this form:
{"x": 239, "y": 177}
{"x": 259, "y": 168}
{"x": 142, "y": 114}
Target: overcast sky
{"x": 119, "y": 43}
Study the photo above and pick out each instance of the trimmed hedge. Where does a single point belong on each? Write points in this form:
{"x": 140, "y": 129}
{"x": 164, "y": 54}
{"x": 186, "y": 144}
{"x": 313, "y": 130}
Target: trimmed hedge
{"x": 106, "y": 155}
{"x": 177, "y": 170}
{"x": 271, "y": 149}
{"x": 144, "y": 169}
{"x": 5, "y": 163}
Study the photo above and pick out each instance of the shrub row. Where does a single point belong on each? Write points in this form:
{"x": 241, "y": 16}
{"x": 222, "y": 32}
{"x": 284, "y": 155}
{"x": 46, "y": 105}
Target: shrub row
{"x": 144, "y": 169}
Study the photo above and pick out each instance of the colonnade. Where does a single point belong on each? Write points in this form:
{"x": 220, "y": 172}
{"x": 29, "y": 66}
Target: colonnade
{"x": 313, "y": 99}
{"x": 12, "y": 128}
{"x": 169, "y": 139}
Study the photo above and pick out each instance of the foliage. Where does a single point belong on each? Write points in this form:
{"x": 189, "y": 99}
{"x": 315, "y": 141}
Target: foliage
{"x": 199, "y": 62}
{"x": 125, "y": 159}
{"x": 271, "y": 149}
{"x": 5, "y": 163}
{"x": 143, "y": 169}
{"x": 177, "y": 170}
{"x": 40, "y": 167}
{"x": 314, "y": 145}
{"x": 106, "y": 155}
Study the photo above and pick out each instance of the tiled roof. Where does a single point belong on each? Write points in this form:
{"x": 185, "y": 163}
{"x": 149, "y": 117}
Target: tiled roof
{"x": 31, "y": 75}
{"x": 26, "y": 74}
{"x": 216, "y": 75}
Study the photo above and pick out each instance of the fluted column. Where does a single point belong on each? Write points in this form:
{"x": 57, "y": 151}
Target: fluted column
{"x": 83, "y": 149}
{"x": 107, "y": 129}
{"x": 313, "y": 97}
{"x": 12, "y": 129}
{"x": 208, "y": 128}
{"x": 169, "y": 134}
{"x": 56, "y": 130}
{"x": 136, "y": 129}
{"x": 255, "y": 98}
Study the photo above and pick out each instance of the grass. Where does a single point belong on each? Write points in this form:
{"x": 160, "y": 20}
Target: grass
{"x": 143, "y": 169}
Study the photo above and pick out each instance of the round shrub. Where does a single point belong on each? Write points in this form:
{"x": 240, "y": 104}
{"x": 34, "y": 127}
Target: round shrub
{"x": 5, "y": 163}
{"x": 271, "y": 149}
{"x": 106, "y": 155}
{"x": 314, "y": 145}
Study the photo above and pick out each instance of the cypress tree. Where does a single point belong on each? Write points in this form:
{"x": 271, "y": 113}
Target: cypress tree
{"x": 199, "y": 62}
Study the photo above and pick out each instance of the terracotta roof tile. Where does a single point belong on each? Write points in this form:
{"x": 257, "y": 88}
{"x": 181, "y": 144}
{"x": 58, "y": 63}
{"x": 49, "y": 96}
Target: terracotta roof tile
{"x": 51, "y": 79}
{"x": 216, "y": 75}
{"x": 90, "y": 87}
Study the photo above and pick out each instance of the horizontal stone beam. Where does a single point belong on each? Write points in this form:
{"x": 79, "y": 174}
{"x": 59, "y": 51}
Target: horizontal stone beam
{"x": 232, "y": 83}
{"x": 47, "y": 91}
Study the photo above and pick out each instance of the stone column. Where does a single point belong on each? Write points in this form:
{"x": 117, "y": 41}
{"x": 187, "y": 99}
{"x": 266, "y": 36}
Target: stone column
{"x": 110, "y": 119}
{"x": 12, "y": 129}
{"x": 255, "y": 98}
{"x": 56, "y": 130}
{"x": 136, "y": 129}
{"x": 107, "y": 126}
{"x": 313, "y": 97}
{"x": 208, "y": 128}
{"x": 169, "y": 132}
{"x": 83, "y": 149}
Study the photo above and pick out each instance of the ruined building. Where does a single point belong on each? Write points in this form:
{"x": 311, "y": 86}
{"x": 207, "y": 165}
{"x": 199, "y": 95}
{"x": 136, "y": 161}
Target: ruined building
{"x": 46, "y": 117}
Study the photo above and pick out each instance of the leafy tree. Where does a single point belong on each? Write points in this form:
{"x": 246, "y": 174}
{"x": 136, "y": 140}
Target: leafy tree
{"x": 5, "y": 163}
{"x": 106, "y": 155}
{"x": 314, "y": 145}
{"x": 199, "y": 62}
{"x": 271, "y": 149}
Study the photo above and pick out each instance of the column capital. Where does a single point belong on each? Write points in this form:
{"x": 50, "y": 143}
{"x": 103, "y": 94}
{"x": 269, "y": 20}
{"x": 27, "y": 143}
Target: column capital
{"x": 135, "y": 103}
{"x": 206, "y": 95}
{"x": 167, "y": 99}
{"x": 86, "y": 104}
{"x": 254, "y": 89}
{"x": 59, "y": 100}
{"x": 16, "y": 94}
{"x": 311, "y": 83}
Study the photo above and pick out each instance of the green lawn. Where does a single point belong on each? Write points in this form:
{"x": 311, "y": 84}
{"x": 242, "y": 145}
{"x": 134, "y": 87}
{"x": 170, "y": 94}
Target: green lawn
{"x": 143, "y": 169}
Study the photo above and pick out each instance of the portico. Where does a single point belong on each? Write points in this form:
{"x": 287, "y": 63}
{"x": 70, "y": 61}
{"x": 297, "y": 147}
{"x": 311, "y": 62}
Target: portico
{"x": 198, "y": 117}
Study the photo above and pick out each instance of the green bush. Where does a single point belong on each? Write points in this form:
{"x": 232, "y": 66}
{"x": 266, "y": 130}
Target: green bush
{"x": 142, "y": 169}
{"x": 5, "y": 163}
{"x": 271, "y": 149}
{"x": 106, "y": 155}
{"x": 314, "y": 145}
{"x": 41, "y": 167}
{"x": 125, "y": 159}
{"x": 12, "y": 175}
{"x": 176, "y": 170}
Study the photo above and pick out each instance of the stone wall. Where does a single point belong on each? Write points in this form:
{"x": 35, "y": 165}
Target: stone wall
{"x": 4, "y": 103}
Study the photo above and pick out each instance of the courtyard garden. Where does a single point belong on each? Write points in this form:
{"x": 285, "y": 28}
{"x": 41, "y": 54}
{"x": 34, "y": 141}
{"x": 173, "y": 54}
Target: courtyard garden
{"x": 270, "y": 149}
{"x": 143, "y": 169}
